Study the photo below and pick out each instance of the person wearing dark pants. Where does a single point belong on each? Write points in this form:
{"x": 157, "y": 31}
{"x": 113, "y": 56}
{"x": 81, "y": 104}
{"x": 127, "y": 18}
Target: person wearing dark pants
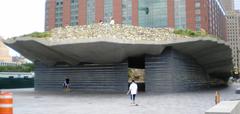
{"x": 133, "y": 91}
{"x": 66, "y": 85}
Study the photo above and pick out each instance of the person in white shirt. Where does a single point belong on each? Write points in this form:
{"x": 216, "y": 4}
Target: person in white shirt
{"x": 112, "y": 22}
{"x": 133, "y": 91}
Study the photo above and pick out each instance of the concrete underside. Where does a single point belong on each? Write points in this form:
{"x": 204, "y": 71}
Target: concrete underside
{"x": 212, "y": 55}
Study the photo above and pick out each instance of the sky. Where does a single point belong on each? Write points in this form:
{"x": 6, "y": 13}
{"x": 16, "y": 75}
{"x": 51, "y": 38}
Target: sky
{"x": 20, "y": 17}
{"x": 237, "y": 4}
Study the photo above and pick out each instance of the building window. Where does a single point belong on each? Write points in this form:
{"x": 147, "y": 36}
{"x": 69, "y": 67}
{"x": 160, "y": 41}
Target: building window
{"x": 46, "y": 15}
{"x": 198, "y": 18}
{"x": 126, "y": 11}
{"x": 90, "y": 11}
{"x": 152, "y": 13}
{"x": 197, "y": 11}
{"x": 197, "y": 4}
{"x": 108, "y": 10}
{"x": 198, "y": 22}
{"x": 180, "y": 13}
{"x": 74, "y": 12}
{"x": 198, "y": 26}
{"x": 58, "y": 13}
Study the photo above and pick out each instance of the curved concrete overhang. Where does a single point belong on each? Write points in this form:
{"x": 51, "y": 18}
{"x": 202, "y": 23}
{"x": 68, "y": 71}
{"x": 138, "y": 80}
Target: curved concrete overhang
{"x": 214, "y": 55}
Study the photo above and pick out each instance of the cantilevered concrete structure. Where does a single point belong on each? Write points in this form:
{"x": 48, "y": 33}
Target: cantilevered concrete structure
{"x": 95, "y": 58}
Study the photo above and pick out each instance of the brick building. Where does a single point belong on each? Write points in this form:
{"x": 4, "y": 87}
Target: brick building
{"x": 191, "y": 14}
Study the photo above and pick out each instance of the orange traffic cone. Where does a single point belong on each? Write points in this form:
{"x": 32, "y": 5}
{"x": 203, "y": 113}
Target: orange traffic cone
{"x": 6, "y": 103}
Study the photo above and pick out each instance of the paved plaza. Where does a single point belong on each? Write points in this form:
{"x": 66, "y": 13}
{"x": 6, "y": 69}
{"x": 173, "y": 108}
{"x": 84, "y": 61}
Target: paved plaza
{"x": 26, "y": 101}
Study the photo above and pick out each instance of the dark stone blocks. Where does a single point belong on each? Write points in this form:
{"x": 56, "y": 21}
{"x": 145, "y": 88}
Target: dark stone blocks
{"x": 101, "y": 78}
{"x": 173, "y": 71}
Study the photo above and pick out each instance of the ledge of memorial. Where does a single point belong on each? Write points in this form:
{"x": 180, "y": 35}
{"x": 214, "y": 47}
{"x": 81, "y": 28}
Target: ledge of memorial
{"x": 213, "y": 54}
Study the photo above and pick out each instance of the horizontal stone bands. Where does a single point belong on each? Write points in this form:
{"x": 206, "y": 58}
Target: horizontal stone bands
{"x": 182, "y": 73}
{"x": 112, "y": 78}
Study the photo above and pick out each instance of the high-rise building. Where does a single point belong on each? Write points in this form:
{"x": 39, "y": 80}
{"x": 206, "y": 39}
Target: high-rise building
{"x": 233, "y": 35}
{"x": 216, "y": 23}
{"x": 190, "y": 14}
{"x": 228, "y": 5}
{"x": 4, "y": 53}
{"x": 233, "y": 30}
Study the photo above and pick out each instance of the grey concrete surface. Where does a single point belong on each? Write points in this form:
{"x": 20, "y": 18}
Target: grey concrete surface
{"x": 26, "y": 101}
{"x": 213, "y": 55}
{"x": 225, "y": 107}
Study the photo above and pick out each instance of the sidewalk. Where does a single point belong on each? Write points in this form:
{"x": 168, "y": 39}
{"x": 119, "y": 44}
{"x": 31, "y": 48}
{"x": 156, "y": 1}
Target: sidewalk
{"x": 26, "y": 101}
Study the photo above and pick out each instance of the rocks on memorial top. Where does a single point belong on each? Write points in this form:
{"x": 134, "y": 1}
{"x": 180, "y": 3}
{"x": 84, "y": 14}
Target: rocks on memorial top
{"x": 121, "y": 32}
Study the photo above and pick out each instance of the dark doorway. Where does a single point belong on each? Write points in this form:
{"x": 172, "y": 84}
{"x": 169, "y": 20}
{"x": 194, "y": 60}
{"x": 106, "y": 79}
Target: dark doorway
{"x": 136, "y": 71}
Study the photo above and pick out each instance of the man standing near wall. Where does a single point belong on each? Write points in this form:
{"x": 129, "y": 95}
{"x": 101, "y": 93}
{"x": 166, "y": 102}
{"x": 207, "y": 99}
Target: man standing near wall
{"x": 66, "y": 85}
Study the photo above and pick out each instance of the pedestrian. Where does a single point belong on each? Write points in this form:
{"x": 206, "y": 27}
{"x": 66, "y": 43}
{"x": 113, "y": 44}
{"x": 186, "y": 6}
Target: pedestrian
{"x": 100, "y": 22}
{"x": 66, "y": 85}
{"x": 112, "y": 22}
{"x": 217, "y": 97}
{"x": 133, "y": 91}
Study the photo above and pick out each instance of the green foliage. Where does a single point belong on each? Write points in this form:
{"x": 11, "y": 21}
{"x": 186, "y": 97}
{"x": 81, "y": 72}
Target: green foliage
{"x": 19, "y": 68}
{"x": 40, "y": 34}
{"x": 187, "y": 32}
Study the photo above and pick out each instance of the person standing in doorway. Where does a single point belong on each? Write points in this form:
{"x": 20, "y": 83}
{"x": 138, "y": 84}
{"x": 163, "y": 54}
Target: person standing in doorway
{"x": 133, "y": 91}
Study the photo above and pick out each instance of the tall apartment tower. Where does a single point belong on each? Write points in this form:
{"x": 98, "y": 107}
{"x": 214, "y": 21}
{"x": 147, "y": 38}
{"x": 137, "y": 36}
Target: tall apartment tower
{"x": 228, "y": 5}
{"x": 190, "y": 14}
{"x": 233, "y": 35}
{"x": 233, "y": 30}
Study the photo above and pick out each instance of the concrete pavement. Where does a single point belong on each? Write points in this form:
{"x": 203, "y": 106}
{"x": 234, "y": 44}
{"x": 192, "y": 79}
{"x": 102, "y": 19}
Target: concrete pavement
{"x": 26, "y": 101}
